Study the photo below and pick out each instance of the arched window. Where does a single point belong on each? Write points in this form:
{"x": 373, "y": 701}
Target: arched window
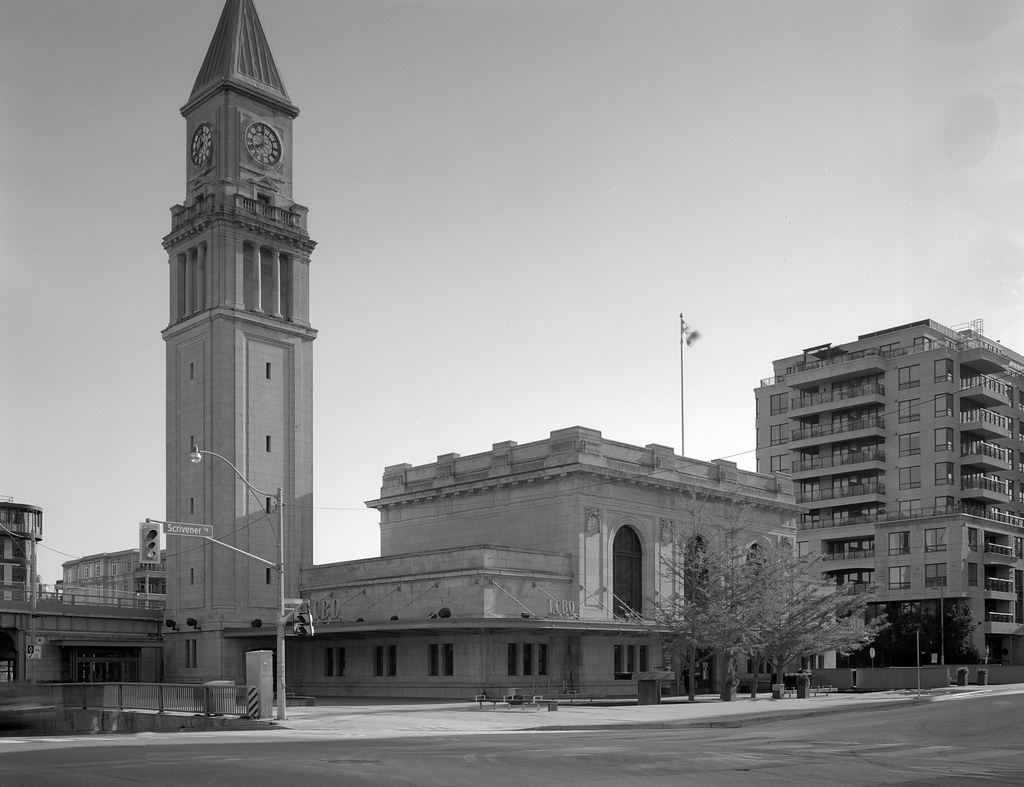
{"x": 627, "y": 573}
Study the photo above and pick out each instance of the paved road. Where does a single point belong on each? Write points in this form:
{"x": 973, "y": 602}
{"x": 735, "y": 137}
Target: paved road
{"x": 958, "y": 739}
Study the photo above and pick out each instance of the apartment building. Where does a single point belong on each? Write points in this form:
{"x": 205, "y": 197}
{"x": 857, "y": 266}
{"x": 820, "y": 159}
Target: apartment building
{"x": 118, "y": 578}
{"x": 907, "y": 449}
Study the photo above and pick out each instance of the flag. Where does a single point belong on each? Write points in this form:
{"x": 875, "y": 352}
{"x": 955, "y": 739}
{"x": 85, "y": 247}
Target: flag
{"x": 687, "y": 334}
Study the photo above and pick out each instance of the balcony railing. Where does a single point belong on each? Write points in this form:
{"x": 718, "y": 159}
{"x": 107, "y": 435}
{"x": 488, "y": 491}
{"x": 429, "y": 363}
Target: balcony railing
{"x": 986, "y": 417}
{"x": 999, "y": 617}
{"x": 917, "y": 513}
{"x": 836, "y": 493}
{"x": 983, "y": 448}
{"x": 849, "y": 554}
{"x": 998, "y": 549}
{"x": 987, "y": 383}
{"x": 842, "y": 427}
{"x": 935, "y": 582}
{"x": 279, "y": 215}
{"x": 840, "y": 460}
{"x": 839, "y": 395}
{"x": 988, "y": 483}
{"x": 999, "y": 585}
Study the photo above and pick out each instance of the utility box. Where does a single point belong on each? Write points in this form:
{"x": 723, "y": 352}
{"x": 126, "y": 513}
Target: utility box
{"x": 648, "y": 686}
{"x": 259, "y": 672}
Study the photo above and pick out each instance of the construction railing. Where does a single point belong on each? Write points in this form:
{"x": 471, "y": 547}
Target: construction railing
{"x": 206, "y": 699}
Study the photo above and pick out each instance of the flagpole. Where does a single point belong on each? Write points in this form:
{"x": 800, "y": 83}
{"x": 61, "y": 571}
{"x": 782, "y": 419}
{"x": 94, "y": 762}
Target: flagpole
{"x": 682, "y": 396}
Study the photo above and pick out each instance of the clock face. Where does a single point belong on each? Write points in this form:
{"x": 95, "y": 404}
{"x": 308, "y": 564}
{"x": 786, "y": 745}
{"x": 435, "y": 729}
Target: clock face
{"x": 263, "y": 144}
{"x": 202, "y": 144}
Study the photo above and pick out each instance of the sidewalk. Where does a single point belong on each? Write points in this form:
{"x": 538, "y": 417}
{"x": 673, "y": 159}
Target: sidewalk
{"x": 381, "y": 718}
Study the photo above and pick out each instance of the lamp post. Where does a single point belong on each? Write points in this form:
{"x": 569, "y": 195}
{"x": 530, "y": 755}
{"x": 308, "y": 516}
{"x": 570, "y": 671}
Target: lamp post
{"x": 196, "y": 457}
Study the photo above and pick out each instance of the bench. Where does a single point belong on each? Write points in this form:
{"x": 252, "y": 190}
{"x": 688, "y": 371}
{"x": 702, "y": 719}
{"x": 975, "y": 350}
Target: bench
{"x": 482, "y": 698}
{"x": 826, "y": 689}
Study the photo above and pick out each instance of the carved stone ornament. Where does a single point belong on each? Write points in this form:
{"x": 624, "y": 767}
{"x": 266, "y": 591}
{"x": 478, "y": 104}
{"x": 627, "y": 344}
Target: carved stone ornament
{"x": 593, "y": 522}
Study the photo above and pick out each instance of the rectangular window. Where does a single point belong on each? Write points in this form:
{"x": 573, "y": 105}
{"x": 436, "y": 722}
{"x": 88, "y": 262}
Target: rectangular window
{"x": 527, "y": 659}
{"x": 972, "y": 575}
{"x": 434, "y": 658}
{"x": 392, "y": 660}
{"x": 191, "y": 371}
{"x": 943, "y": 405}
{"x": 909, "y": 507}
{"x": 944, "y": 439}
{"x": 909, "y": 410}
{"x": 944, "y": 370}
{"x": 910, "y": 477}
{"x": 943, "y": 473}
{"x": 268, "y": 370}
{"x": 935, "y": 539}
{"x": 779, "y": 434}
{"x": 910, "y": 376}
{"x": 191, "y": 505}
{"x": 268, "y": 576}
{"x": 378, "y": 661}
{"x": 617, "y": 661}
{"x": 339, "y": 662}
{"x": 191, "y": 659}
{"x": 449, "y": 658}
{"x": 268, "y": 444}
{"x": 780, "y": 464}
{"x": 643, "y": 658}
{"x": 972, "y": 539}
{"x": 630, "y": 659}
{"x": 947, "y": 502}
{"x": 513, "y": 658}
{"x": 542, "y": 659}
{"x": 328, "y": 662}
{"x": 191, "y": 576}
{"x": 935, "y": 575}
{"x": 899, "y": 543}
{"x": 778, "y": 404}
{"x": 899, "y": 577}
{"x": 910, "y": 444}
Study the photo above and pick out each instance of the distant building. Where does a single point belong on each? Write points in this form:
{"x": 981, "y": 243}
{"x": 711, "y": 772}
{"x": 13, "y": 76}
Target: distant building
{"x": 21, "y": 526}
{"x": 114, "y": 577}
{"x": 907, "y": 449}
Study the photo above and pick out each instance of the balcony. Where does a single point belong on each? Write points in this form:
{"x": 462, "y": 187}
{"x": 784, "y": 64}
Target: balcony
{"x": 850, "y": 554}
{"x": 857, "y": 493}
{"x": 986, "y": 391}
{"x": 1005, "y": 627}
{"x": 840, "y": 367}
{"x": 999, "y": 589}
{"x": 999, "y": 554}
{"x": 984, "y": 455}
{"x": 989, "y": 488}
{"x": 873, "y": 459}
{"x": 825, "y": 433}
{"x": 829, "y": 400}
{"x": 984, "y": 423}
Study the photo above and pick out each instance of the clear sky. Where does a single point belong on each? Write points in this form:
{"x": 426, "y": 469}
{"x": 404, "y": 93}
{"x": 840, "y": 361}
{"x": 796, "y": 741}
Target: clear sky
{"x": 513, "y": 201}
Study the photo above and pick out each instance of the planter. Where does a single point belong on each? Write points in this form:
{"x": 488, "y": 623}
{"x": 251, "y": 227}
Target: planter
{"x": 728, "y": 693}
{"x": 778, "y": 691}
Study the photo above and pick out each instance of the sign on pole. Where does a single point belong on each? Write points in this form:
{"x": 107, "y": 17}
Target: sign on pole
{"x": 181, "y": 529}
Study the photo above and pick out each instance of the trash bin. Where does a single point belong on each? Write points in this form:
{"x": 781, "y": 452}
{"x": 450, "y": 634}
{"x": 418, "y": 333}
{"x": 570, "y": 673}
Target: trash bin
{"x": 648, "y": 686}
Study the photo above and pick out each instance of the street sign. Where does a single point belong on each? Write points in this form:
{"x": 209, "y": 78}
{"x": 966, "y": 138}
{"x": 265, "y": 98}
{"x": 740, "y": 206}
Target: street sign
{"x": 33, "y": 651}
{"x": 181, "y": 529}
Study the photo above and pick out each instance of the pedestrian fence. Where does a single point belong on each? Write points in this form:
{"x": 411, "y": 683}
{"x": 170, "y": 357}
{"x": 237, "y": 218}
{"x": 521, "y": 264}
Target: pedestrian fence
{"x": 216, "y": 699}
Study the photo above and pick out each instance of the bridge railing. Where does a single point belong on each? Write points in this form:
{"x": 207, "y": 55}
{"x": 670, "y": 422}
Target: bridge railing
{"x": 207, "y": 699}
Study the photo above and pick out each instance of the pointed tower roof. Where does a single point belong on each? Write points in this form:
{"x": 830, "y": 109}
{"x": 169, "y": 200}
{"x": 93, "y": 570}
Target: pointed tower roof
{"x": 239, "y": 56}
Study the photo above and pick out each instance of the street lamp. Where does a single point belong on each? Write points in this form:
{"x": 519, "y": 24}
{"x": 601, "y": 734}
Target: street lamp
{"x": 196, "y": 457}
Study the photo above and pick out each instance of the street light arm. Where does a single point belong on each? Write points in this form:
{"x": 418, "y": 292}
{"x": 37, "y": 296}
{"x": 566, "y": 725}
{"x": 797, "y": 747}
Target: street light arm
{"x": 197, "y": 456}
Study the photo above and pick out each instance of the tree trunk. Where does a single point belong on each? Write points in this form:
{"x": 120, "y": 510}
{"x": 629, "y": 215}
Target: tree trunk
{"x": 753, "y": 683}
{"x": 692, "y": 682}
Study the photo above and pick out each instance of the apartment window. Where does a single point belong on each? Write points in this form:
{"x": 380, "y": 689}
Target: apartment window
{"x": 922, "y": 343}
{"x": 778, "y": 404}
{"x": 946, "y": 502}
{"x": 910, "y": 376}
{"x": 910, "y": 444}
{"x": 899, "y": 577}
{"x": 909, "y": 508}
{"x": 972, "y": 575}
{"x": 944, "y": 439}
{"x": 513, "y": 658}
{"x": 910, "y": 477}
{"x": 779, "y": 434}
{"x": 972, "y": 539}
{"x": 943, "y": 473}
{"x": 780, "y": 463}
{"x": 944, "y": 370}
{"x": 803, "y": 548}
{"x": 935, "y": 575}
{"x": 943, "y": 405}
{"x": 909, "y": 410}
{"x": 899, "y": 543}
{"x": 935, "y": 539}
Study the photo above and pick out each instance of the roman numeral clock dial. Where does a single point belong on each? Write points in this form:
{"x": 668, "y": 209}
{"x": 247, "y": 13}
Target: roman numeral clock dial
{"x": 202, "y": 144}
{"x": 263, "y": 144}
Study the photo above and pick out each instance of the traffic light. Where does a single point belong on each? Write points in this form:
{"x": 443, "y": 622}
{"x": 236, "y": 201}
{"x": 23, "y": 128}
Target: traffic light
{"x": 149, "y": 543}
{"x": 302, "y": 625}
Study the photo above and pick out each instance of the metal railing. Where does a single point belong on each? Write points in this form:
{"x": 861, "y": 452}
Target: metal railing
{"x": 211, "y": 700}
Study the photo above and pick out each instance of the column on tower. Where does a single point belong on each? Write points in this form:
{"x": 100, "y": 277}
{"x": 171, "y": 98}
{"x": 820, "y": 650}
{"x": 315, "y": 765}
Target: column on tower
{"x": 275, "y": 282}
{"x": 177, "y": 287}
{"x": 190, "y": 281}
{"x": 200, "y": 278}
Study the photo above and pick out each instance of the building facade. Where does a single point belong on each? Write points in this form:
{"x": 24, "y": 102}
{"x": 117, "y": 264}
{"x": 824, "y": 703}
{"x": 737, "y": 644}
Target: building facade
{"x": 116, "y": 577}
{"x": 907, "y": 449}
{"x": 238, "y": 350}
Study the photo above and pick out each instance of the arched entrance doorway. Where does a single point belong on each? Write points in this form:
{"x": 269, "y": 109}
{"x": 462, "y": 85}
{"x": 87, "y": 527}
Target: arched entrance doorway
{"x": 627, "y": 573}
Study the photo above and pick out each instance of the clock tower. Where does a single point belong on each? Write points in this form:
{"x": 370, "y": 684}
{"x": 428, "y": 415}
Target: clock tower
{"x": 239, "y": 359}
